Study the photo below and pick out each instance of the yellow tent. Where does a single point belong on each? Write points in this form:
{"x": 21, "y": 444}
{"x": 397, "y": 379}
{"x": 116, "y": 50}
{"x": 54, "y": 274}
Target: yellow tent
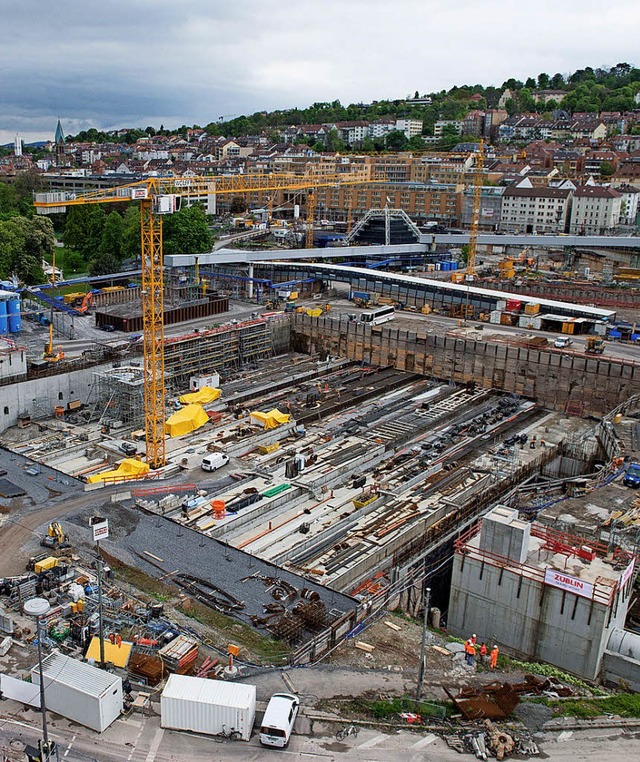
{"x": 118, "y": 655}
{"x": 205, "y": 395}
{"x": 130, "y": 468}
{"x": 184, "y": 421}
{"x": 270, "y": 420}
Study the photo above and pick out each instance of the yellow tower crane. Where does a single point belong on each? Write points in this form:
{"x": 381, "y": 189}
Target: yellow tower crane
{"x": 311, "y": 213}
{"x": 475, "y": 212}
{"x": 158, "y": 196}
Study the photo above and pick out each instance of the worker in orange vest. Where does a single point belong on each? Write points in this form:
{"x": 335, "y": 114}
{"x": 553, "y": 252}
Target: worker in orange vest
{"x": 483, "y": 653}
{"x": 472, "y": 654}
{"x": 473, "y": 639}
{"x": 467, "y": 651}
{"x": 494, "y": 657}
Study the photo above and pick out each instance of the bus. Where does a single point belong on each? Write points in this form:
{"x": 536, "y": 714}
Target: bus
{"x": 377, "y": 316}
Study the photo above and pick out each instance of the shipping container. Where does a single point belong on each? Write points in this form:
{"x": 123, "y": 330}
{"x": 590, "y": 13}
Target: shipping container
{"x": 508, "y": 318}
{"x": 364, "y": 295}
{"x": 514, "y": 305}
{"x": 208, "y": 706}
{"x": 533, "y": 308}
{"x": 495, "y": 317}
{"x": 568, "y": 328}
{"x": 501, "y": 305}
{"x": 531, "y": 322}
{"x": 80, "y": 692}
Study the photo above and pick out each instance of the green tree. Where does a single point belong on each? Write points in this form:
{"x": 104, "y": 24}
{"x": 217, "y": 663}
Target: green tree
{"x": 557, "y": 82}
{"x": 112, "y": 232}
{"x": 396, "y": 141}
{"x": 8, "y": 201}
{"x": 104, "y": 264}
{"x": 530, "y": 84}
{"x": 544, "y": 82}
{"x": 334, "y": 142}
{"x": 24, "y": 243}
{"x": 83, "y": 229}
{"x": 187, "y": 231}
{"x": 130, "y": 240}
{"x": 416, "y": 143}
{"x": 73, "y": 261}
{"x": 606, "y": 169}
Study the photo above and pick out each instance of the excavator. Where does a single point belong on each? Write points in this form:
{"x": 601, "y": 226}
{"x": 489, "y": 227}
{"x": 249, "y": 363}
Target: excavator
{"x": 56, "y": 538}
{"x": 85, "y": 304}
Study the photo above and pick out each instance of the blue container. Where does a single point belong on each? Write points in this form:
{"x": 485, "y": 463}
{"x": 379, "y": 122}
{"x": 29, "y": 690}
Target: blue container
{"x": 4, "y": 325}
{"x": 635, "y": 337}
{"x": 614, "y": 334}
{"x": 13, "y": 308}
{"x": 454, "y": 265}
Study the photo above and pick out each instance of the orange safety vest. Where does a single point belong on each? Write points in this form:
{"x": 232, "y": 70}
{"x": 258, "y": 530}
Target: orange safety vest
{"x": 483, "y": 650}
{"x": 472, "y": 650}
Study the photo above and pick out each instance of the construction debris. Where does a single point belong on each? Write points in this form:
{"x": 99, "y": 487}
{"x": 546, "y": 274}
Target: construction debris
{"x": 492, "y": 741}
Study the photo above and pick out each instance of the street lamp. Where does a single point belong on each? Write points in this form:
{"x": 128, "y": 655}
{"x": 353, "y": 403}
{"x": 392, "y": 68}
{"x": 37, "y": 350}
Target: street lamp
{"x": 39, "y": 608}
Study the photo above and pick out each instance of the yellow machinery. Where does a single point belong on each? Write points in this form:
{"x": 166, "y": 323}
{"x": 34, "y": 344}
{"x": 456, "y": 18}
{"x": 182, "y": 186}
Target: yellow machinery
{"x": 595, "y": 345}
{"x": 158, "y": 196}
{"x": 475, "y": 212}
{"x": 311, "y": 211}
{"x": 49, "y": 353}
{"x": 56, "y": 538}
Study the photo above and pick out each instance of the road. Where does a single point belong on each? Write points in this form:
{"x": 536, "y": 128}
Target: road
{"x": 143, "y": 740}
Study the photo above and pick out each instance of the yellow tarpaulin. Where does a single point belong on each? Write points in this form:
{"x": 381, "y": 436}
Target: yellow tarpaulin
{"x": 205, "y": 395}
{"x": 130, "y": 467}
{"x": 184, "y": 421}
{"x": 117, "y": 655}
{"x": 270, "y": 420}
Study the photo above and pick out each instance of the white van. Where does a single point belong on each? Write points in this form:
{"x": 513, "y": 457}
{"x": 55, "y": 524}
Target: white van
{"x": 214, "y": 461}
{"x": 279, "y": 719}
{"x": 562, "y": 341}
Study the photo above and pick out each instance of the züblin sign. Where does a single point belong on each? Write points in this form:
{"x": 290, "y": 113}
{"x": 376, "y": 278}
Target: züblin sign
{"x": 565, "y": 582}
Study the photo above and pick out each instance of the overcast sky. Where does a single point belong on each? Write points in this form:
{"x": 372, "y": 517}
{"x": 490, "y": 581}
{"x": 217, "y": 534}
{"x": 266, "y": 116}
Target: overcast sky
{"x": 119, "y": 63}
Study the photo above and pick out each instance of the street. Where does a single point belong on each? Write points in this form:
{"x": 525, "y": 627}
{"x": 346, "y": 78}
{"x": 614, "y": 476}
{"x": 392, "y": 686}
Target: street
{"x": 143, "y": 740}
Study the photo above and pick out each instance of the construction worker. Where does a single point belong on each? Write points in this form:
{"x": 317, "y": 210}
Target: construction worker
{"x": 473, "y": 639}
{"x": 472, "y": 654}
{"x": 483, "y": 653}
{"x": 467, "y": 651}
{"x": 494, "y": 657}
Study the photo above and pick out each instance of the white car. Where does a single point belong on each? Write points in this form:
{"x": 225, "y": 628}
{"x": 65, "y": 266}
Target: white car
{"x": 562, "y": 342}
{"x": 279, "y": 719}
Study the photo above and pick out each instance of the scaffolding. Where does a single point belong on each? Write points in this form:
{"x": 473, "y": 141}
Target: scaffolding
{"x": 219, "y": 350}
{"x": 118, "y": 398}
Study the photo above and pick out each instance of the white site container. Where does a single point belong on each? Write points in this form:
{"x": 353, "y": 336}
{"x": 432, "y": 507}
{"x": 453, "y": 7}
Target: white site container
{"x": 495, "y": 316}
{"x": 501, "y": 305}
{"x": 532, "y": 322}
{"x": 205, "y": 706}
{"x": 80, "y": 692}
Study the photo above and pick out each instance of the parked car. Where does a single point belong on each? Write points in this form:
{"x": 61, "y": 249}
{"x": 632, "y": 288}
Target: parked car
{"x": 107, "y": 327}
{"x": 279, "y": 719}
{"x": 128, "y": 448}
{"x": 214, "y": 461}
{"x": 562, "y": 342}
{"x": 632, "y": 476}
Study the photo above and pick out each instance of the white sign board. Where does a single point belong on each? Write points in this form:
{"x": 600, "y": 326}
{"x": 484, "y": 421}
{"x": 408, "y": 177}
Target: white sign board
{"x": 565, "y": 582}
{"x": 627, "y": 574}
{"x": 100, "y": 530}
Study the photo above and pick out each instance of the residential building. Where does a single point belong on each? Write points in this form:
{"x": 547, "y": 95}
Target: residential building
{"x": 421, "y": 201}
{"x": 543, "y": 595}
{"x": 410, "y": 127}
{"x": 630, "y": 204}
{"x": 544, "y": 96}
{"x": 380, "y": 128}
{"x": 535, "y": 210}
{"x": 353, "y": 133}
{"x": 473, "y": 123}
{"x": 453, "y": 125}
{"x": 596, "y": 210}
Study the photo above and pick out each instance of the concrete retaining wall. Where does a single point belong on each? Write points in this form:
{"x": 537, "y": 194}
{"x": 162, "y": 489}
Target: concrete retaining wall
{"x": 572, "y": 383}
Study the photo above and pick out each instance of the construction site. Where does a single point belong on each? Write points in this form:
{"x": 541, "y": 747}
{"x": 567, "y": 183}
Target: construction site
{"x": 275, "y": 484}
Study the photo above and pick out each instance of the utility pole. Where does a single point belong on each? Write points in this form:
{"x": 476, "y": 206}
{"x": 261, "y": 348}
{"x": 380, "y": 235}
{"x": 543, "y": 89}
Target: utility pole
{"x": 427, "y": 601}
{"x": 100, "y": 529}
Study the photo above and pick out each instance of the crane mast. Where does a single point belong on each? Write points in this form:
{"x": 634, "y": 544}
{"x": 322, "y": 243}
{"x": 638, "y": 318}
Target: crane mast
{"x": 475, "y": 212}
{"x": 159, "y": 196}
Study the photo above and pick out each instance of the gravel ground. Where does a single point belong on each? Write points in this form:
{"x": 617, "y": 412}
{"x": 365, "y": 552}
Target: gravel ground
{"x": 193, "y": 553}
{"x": 533, "y": 716}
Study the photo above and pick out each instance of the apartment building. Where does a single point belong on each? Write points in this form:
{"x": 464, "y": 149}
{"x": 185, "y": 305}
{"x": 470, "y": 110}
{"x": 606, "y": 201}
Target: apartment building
{"x": 410, "y": 127}
{"x": 421, "y": 201}
{"x": 490, "y": 207}
{"x": 595, "y": 210}
{"x": 452, "y": 124}
{"x": 535, "y": 210}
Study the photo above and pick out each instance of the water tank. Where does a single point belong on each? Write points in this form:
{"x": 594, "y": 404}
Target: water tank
{"x": 13, "y": 308}
{"x": 4, "y": 325}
